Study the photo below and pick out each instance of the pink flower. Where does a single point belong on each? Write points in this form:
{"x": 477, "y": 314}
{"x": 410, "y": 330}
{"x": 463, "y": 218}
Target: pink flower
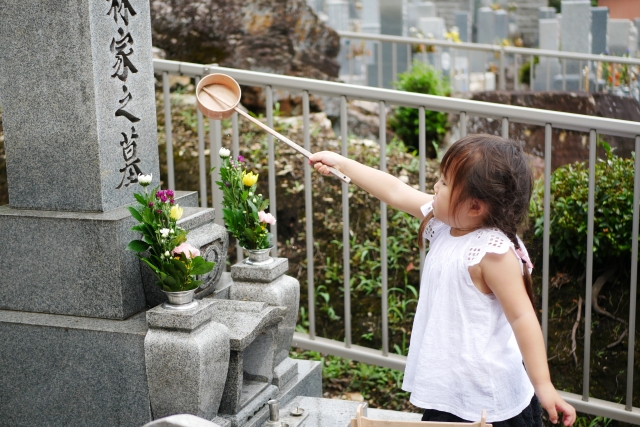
{"x": 266, "y": 218}
{"x": 186, "y": 249}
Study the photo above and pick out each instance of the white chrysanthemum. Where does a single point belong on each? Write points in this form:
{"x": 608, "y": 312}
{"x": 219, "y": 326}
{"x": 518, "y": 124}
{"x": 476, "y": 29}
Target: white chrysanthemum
{"x": 164, "y": 232}
{"x": 224, "y": 153}
{"x": 145, "y": 180}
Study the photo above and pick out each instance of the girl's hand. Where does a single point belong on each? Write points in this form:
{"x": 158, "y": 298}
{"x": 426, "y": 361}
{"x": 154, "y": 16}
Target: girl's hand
{"x": 551, "y": 401}
{"x": 323, "y": 159}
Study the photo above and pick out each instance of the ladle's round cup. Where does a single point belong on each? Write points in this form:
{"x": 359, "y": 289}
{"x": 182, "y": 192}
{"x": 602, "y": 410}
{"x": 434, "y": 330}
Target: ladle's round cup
{"x": 226, "y": 96}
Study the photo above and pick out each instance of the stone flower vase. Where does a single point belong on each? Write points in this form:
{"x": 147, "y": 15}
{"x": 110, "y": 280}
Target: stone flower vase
{"x": 258, "y": 257}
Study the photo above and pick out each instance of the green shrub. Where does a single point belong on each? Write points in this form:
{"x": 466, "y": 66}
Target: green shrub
{"x": 405, "y": 121}
{"x": 524, "y": 74}
{"x": 613, "y": 214}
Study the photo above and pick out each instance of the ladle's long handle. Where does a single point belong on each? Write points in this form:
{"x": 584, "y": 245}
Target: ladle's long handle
{"x": 281, "y": 137}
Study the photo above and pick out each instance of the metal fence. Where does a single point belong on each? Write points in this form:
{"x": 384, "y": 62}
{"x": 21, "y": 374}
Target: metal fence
{"x": 517, "y": 56}
{"x": 465, "y": 109}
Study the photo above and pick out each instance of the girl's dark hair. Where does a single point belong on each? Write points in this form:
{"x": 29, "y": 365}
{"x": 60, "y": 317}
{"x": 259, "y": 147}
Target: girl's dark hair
{"x": 495, "y": 171}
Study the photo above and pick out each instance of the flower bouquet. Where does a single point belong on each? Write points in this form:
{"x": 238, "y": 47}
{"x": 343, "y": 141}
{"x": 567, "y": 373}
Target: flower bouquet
{"x": 164, "y": 246}
{"x": 243, "y": 209}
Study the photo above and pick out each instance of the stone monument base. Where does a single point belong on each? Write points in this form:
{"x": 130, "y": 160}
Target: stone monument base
{"x": 72, "y": 371}
{"x": 75, "y": 371}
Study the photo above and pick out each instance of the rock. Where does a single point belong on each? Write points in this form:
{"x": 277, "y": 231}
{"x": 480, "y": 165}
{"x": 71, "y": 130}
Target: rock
{"x": 567, "y": 146}
{"x": 277, "y": 36}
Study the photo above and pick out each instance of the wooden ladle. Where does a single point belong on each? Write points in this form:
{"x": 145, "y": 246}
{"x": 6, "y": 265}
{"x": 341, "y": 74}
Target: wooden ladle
{"x": 221, "y": 99}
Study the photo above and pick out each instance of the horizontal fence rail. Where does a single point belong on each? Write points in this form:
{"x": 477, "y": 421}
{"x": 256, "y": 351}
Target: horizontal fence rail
{"x": 464, "y": 108}
{"x": 499, "y": 50}
{"x": 483, "y": 47}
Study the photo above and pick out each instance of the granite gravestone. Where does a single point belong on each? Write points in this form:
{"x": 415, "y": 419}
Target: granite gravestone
{"x": 546, "y": 12}
{"x": 338, "y": 14}
{"x": 574, "y": 32}
{"x": 636, "y": 22}
{"x": 485, "y": 35}
{"x": 338, "y": 18}
{"x": 463, "y": 23}
{"x": 619, "y": 33}
{"x": 432, "y": 27}
{"x": 547, "y": 68}
{"x": 371, "y": 25}
{"x": 415, "y": 11}
{"x": 599, "y": 24}
{"x": 501, "y": 25}
{"x": 486, "y": 25}
{"x": 391, "y": 24}
{"x": 76, "y": 80}
{"x": 633, "y": 41}
{"x": 77, "y": 347}
{"x": 79, "y": 119}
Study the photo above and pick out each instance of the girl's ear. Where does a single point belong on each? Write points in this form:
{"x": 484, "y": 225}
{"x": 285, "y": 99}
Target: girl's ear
{"x": 477, "y": 208}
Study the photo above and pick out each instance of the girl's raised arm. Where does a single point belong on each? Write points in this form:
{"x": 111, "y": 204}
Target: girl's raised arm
{"x": 501, "y": 272}
{"x": 379, "y": 184}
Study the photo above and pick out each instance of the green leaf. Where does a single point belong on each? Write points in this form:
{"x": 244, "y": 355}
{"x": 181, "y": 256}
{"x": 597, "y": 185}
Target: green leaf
{"x": 195, "y": 284}
{"x": 151, "y": 265}
{"x": 148, "y": 216}
{"x": 200, "y": 266}
{"x": 140, "y": 198}
{"x": 137, "y": 246}
{"x": 179, "y": 265}
{"x": 140, "y": 228}
{"x": 135, "y": 213}
{"x": 249, "y": 234}
{"x": 170, "y": 281}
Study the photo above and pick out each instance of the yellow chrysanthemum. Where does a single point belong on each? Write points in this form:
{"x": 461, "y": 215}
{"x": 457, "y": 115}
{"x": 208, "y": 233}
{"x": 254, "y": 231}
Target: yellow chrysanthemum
{"x": 248, "y": 179}
{"x": 453, "y": 36}
{"x": 175, "y": 213}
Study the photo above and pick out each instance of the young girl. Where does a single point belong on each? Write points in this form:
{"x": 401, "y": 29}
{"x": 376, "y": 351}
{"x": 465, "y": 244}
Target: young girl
{"x": 475, "y": 323}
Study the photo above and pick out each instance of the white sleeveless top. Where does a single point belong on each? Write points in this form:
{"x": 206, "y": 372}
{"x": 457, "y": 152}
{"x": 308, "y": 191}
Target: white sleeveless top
{"x": 463, "y": 355}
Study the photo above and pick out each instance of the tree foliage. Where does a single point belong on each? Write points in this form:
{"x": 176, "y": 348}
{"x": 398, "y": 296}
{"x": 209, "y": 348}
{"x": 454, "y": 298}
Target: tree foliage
{"x": 405, "y": 121}
{"x": 613, "y": 214}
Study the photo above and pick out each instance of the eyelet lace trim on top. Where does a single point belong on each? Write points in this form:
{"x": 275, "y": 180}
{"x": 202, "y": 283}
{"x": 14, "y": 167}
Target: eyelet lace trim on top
{"x": 486, "y": 240}
{"x": 491, "y": 240}
{"x": 434, "y": 225}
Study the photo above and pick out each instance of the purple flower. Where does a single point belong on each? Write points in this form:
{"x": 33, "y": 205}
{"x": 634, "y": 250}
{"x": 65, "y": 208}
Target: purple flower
{"x": 169, "y": 193}
{"x": 163, "y": 199}
{"x": 150, "y": 204}
{"x": 159, "y": 211}
{"x": 172, "y": 201}
{"x": 241, "y": 158}
{"x": 159, "y": 194}
{"x": 227, "y": 184}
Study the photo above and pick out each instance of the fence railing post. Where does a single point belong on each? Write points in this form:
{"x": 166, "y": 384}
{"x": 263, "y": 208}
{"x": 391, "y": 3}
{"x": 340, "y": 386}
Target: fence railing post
{"x": 273, "y": 209}
{"x": 589, "y": 273}
{"x": 346, "y": 248}
{"x": 633, "y": 292}
{"x": 503, "y": 83}
{"x": 202, "y": 162}
{"x": 545, "y": 233}
{"x": 168, "y": 129}
{"x": 308, "y": 212}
